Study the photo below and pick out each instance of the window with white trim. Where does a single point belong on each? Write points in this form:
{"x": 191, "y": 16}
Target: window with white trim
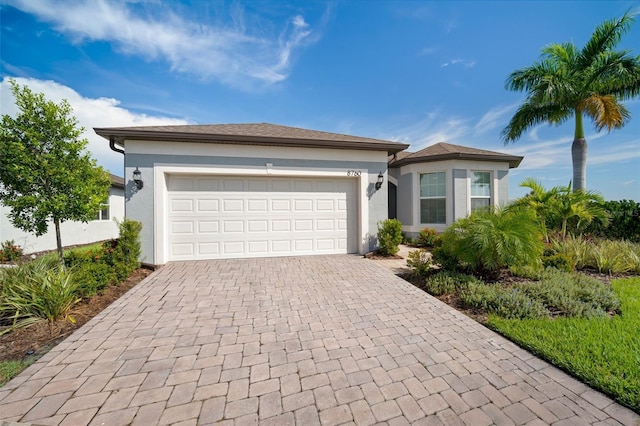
{"x": 480, "y": 190}
{"x": 433, "y": 198}
{"x": 103, "y": 213}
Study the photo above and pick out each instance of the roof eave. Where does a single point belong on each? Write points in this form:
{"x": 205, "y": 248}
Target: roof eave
{"x": 121, "y": 135}
{"x": 513, "y": 160}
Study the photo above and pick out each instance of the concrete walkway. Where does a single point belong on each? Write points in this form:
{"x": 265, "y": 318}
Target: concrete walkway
{"x": 313, "y": 340}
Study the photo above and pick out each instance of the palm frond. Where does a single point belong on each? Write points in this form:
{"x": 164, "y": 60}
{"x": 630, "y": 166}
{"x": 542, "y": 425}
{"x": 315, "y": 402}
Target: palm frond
{"x": 605, "y": 111}
{"x": 529, "y": 115}
{"x": 605, "y": 37}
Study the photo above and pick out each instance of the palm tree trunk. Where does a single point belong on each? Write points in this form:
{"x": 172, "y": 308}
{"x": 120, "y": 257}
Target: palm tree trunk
{"x": 579, "y": 155}
{"x": 579, "y": 158}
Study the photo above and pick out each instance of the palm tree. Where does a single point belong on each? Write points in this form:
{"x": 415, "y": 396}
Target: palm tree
{"x": 568, "y": 82}
{"x": 543, "y": 202}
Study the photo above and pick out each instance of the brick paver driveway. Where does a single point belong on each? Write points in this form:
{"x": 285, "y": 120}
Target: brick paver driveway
{"x": 313, "y": 340}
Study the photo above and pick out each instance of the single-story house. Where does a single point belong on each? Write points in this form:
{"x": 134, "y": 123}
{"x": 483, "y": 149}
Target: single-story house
{"x": 260, "y": 190}
{"x": 103, "y": 227}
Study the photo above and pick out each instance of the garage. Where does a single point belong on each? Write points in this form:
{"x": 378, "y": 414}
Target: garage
{"x": 221, "y": 217}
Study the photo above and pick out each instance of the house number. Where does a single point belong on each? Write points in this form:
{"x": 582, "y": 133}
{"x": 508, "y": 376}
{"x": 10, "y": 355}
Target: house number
{"x": 354, "y": 172}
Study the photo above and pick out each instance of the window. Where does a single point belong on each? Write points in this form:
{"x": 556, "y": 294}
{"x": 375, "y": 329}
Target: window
{"x": 480, "y": 190}
{"x": 103, "y": 214}
{"x": 433, "y": 198}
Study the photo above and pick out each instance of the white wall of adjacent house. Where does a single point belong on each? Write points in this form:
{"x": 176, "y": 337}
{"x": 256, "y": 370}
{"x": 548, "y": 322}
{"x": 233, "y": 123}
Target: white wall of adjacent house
{"x": 102, "y": 228}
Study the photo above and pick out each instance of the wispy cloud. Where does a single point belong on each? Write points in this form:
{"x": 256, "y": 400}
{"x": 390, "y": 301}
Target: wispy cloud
{"x": 465, "y": 63}
{"x": 495, "y": 117}
{"x": 429, "y": 50}
{"x": 90, "y": 112}
{"x": 234, "y": 53}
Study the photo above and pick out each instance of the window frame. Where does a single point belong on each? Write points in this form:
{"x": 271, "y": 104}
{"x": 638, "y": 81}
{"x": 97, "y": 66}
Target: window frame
{"x": 104, "y": 207}
{"x": 438, "y": 197}
{"x": 480, "y": 197}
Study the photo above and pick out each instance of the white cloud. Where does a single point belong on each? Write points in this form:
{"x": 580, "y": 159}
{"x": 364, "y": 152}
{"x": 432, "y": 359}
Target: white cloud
{"x": 464, "y": 62}
{"x": 494, "y": 118}
{"x": 90, "y": 112}
{"x": 230, "y": 53}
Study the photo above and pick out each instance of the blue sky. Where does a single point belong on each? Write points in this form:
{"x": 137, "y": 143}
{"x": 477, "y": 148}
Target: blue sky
{"x": 415, "y": 72}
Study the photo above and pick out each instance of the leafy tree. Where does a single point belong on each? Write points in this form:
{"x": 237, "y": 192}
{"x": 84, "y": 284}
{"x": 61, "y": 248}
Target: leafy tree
{"x": 45, "y": 172}
{"x": 568, "y": 82}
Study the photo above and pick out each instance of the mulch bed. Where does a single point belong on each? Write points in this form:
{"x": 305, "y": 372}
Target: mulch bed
{"x": 34, "y": 341}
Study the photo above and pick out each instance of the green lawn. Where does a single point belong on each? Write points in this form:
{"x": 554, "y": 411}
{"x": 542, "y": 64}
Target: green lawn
{"x": 603, "y": 352}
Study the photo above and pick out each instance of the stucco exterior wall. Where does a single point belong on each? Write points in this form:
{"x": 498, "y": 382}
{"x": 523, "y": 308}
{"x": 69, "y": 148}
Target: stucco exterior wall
{"x": 405, "y": 199}
{"x": 72, "y": 233}
{"x": 152, "y": 157}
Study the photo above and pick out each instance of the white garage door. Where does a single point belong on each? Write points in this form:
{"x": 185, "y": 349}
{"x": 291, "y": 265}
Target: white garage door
{"x": 217, "y": 217}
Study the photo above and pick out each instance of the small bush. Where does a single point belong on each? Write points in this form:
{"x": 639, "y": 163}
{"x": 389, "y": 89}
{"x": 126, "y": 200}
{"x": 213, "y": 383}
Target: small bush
{"x": 445, "y": 258}
{"x": 36, "y": 291}
{"x": 427, "y": 237}
{"x": 420, "y": 262}
{"x": 526, "y": 271}
{"x": 92, "y": 278}
{"x": 506, "y": 303}
{"x": 559, "y": 261}
{"x": 9, "y": 251}
{"x": 389, "y": 236}
{"x": 448, "y": 282}
{"x": 490, "y": 241}
{"x": 126, "y": 251}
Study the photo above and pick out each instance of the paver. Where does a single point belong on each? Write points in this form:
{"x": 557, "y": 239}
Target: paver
{"x": 308, "y": 340}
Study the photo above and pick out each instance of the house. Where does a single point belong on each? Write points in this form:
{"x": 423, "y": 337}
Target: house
{"x": 73, "y": 233}
{"x": 444, "y": 182}
{"x": 260, "y": 190}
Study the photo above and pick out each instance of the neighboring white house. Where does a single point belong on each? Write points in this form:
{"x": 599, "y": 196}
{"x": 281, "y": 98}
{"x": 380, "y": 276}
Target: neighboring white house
{"x": 72, "y": 233}
{"x": 261, "y": 190}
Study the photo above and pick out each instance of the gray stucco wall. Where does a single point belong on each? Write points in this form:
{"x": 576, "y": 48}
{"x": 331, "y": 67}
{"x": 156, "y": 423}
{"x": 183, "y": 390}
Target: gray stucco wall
{"x": 503, "y": 187}
{"x": 140, "y": 204}
{"x": 460, "y": 195}
{"x": 405, "y": 199}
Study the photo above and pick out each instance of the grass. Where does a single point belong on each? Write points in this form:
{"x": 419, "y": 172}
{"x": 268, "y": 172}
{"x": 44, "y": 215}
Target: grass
{"x": 603, "y": 352}
{"x": 10, "y": 369}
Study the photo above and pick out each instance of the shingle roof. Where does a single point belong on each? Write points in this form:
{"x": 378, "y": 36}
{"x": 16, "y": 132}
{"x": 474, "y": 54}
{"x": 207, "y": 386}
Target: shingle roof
{"x": 446, "y": 151}
{"x": 252, "y": 133}
{"x": 116, "y": 181}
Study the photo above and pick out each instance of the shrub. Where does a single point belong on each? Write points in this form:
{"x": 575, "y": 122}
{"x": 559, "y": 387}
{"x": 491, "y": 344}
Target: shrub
{"x": 490, "y": 241}
{"x": 571, "y": 294}
{"x": 389, "y": 236}
{"x": 448, "y": 282}
{"x": 445, "y": 258}
{"x": 9, "y": 251}
{"x": 610, "y": 256}
{"x": 36, "y": 291}
{"x": 427, "y": 237}
{"x": 559, "y": 261}
{"x": 420, "y": 262}
{"x": 126, "y": 251}
{"x": 92, "y": 278}
{"x": 624, "y": 221}
{"x": 506, "y": 303}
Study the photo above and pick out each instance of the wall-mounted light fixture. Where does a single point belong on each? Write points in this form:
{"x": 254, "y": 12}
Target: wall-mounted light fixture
{"x": 380, "y": 181}
{"x": 137, "y": 178}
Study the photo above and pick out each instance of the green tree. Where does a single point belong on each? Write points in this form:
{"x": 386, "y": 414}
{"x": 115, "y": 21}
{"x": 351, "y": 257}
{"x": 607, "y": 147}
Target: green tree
{"x": 541, "y": 201}
{"x": 45, "y": 173}
{"x": 568, "y": 82}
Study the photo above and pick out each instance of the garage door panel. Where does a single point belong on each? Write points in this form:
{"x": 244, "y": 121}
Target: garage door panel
{"x": 182, "y": 227}
{"x": 181, "y": 205}
{"x": 222, "y": 217}
{"x": 208, "y": 205}
{"x": 208, "y": 227}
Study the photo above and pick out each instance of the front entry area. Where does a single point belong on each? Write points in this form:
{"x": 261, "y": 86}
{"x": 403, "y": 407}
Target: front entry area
{"x": 221, "y": 217}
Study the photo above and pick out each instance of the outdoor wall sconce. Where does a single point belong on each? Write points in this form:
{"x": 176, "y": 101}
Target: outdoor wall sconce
{"x": 380, "y": 181}
{"x": 137, "y": 178}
